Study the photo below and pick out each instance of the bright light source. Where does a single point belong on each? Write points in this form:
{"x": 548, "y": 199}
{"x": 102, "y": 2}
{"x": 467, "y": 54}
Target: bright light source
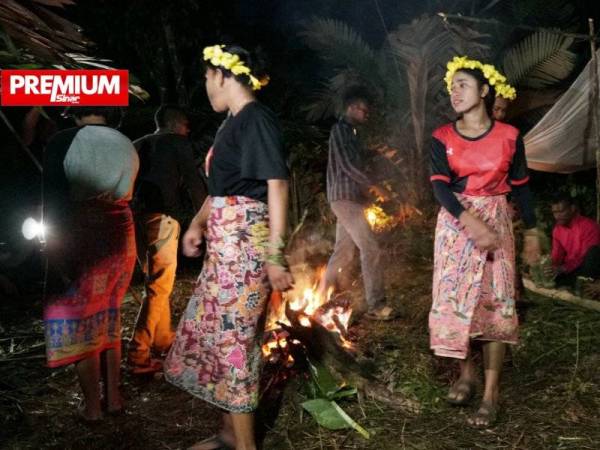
{"x": 32, "y": 228}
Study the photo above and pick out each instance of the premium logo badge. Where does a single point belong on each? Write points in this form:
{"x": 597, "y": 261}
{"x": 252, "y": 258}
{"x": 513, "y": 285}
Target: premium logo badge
{"x": 64, "y": 88}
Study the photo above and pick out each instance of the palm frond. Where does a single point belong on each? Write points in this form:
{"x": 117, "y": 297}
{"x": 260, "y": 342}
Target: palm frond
{"x": 341, "y": 46}
{"x": 40, "y": 33}
{"x": 34, "y": 36}
{"x": 540, "y": 60}
{"x": 325, "y": 101}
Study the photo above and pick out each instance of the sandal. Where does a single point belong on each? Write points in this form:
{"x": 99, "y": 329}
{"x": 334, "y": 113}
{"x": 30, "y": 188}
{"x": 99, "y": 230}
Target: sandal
{"x": 216, "y": 440}
{"x": 485, "y": 416}
{"x": 464, "y": 392}
{"x": 383, "y": 313}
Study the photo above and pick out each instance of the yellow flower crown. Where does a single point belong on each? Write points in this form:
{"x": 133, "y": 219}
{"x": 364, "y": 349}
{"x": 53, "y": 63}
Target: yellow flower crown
{"x": 495, "y": 78}
{"x": 233, "y": 63}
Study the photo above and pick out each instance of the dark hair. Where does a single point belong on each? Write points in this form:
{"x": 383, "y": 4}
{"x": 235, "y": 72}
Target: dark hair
{"x": 256, "y": 61}
{"x": 112, "y": 114}
{"x": 355, "y": 94}
{"x": 481, "y": 80}
{"x": 562, "y": 197}
{"x": 168, "y": 115}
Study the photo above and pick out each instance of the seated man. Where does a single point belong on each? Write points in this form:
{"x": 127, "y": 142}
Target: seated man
{"x": 575, "y": 243}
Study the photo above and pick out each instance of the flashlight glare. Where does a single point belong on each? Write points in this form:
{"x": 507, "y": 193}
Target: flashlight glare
{"x": 32, "y": 228}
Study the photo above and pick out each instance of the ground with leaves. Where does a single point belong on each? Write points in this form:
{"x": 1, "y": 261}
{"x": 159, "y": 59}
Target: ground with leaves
{"x": 551, "y": 395}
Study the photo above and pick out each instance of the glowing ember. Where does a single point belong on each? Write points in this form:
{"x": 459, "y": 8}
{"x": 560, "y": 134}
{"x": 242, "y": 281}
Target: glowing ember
{"x": 380, "y": 221}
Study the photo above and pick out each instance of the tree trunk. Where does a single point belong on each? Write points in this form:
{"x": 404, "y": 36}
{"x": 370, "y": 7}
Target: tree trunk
{"x": 182, "y": 94}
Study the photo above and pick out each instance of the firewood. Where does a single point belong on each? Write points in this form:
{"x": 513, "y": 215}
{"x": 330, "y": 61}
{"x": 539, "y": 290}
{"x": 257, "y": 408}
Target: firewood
{"x": 348, "y": 365}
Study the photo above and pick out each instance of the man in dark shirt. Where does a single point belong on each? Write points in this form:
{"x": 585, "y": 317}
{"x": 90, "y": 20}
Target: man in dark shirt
{"x": 166, "y": 168}
{"x": 347, "y": 190}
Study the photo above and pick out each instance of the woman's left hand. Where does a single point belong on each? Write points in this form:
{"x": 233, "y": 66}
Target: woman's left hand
{"x": 531, "y": 250}
{"x": 279, "y": 277}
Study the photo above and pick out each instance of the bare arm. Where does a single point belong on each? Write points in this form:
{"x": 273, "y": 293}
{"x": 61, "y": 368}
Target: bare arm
{"x": 279, "y": 276}
{"x": 192, "y": 239}
{"x": 201, "y": 216}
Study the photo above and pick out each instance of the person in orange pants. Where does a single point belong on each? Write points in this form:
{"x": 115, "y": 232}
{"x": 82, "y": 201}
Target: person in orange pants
{"x": 166, "y": 163}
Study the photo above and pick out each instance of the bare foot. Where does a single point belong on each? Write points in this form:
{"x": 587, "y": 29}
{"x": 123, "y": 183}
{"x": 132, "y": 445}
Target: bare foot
{"x": 461, "y": 393}
{"x": 485, "y": 416}
{"x": 89, "y": 416}
{"x": 115, "y": 407}
{"x": 216, "y": 442}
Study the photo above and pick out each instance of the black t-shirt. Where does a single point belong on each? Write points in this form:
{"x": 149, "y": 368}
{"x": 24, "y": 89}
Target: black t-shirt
{"x": 247, "y": 151}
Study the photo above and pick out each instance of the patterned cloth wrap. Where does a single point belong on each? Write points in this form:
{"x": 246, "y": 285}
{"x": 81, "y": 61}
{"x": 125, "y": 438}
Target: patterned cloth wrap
{"x": 473, "y": 290}
{"x": 216, "y": 354}
{"x": 84, "y": 319}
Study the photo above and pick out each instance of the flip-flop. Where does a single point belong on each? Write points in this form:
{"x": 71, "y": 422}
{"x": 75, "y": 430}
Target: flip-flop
{"x": 384, "y": 313}
{"x": 486, "y": 413}
{"x": 467, "y": 388}
{"x": 216, "y": 440}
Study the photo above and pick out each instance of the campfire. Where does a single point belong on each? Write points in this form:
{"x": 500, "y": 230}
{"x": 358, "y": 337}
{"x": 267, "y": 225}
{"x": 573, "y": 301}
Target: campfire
{"x": 380, "y": 221}
{"x": 305, "y": 330}
{"x": 308, "y": 308}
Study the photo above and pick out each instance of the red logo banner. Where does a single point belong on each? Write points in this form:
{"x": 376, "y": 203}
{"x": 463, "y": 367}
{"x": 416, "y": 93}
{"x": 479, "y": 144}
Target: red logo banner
{"x": 64, "y": 88}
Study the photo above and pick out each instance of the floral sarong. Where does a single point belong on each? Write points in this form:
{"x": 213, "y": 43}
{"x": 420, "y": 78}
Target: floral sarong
{"x": 84, "y": 319}
{"x": 216, "y": 354}
{"x": 473, "y": 290}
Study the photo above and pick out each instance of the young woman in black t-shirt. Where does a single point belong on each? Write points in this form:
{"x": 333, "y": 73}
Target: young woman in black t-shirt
{"x": 216, "y": 354}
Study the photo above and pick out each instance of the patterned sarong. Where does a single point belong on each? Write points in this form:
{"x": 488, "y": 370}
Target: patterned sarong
{"x": 216, "y": 354}
{"x": 473, "y": 290}
{"x": 85, "y": 319}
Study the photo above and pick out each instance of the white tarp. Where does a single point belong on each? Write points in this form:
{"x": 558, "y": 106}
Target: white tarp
{"x": 563, "y": 141}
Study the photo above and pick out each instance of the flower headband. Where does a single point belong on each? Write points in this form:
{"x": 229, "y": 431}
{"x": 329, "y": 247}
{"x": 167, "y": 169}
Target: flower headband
{"x": 494, "y": 78}
{"x": 233, "y": 63}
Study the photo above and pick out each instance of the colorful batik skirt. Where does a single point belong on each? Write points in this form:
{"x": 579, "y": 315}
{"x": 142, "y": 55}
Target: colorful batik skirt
{"x": 473, "y": 290}
{"x": 216, "y": 354}
{"x": 83, "y": 319}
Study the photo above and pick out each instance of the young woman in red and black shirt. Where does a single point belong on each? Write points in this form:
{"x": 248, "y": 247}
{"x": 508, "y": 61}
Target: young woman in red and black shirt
{"x": 475, "y": 162}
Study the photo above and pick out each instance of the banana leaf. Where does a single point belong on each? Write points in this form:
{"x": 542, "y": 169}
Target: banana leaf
{"x": 329, "y": 415}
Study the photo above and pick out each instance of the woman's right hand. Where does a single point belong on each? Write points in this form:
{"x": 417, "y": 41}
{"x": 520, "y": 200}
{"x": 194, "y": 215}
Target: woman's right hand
{"x": 191, "y": 241}
{"x": 485, "y": 238}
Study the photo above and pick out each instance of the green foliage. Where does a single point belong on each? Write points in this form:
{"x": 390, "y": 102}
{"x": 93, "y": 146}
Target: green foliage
{"x": 325, "y": 390}
{"x": 329, "y": 415}
{"x": 349, "y": 57}
{"x": 540, "y": 60}
{"x": 33, "y": 36}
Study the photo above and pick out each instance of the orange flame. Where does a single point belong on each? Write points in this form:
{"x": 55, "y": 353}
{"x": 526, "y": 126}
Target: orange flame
{"x": 380, "y": 221}
{"x": 310, "y": 305}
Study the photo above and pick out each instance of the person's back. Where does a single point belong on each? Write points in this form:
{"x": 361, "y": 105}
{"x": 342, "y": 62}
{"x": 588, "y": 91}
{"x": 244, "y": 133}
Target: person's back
{"x": 167, "y": 169}
{"x": 88, "y": 180}
{"x": 166, "y": 166}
